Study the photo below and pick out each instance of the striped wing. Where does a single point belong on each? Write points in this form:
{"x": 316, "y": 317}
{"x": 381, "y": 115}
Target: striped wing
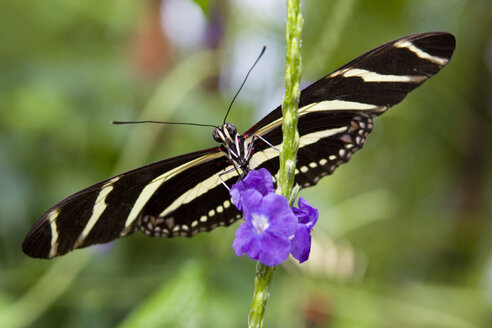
{"x": 160, "y": 199}
{"x": 336, "y": 113}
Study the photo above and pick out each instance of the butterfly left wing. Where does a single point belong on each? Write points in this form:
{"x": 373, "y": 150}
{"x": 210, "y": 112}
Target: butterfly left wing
{"x": 336, "y": 113}
{"x": 179, "y": 196}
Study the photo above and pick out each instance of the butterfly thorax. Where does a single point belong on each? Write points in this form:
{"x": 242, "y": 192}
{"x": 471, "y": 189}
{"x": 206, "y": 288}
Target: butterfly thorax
{"x": 233, "y": 145}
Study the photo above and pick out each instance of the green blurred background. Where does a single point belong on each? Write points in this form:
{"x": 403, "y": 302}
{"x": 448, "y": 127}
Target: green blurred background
{"x": 404, "y": 236}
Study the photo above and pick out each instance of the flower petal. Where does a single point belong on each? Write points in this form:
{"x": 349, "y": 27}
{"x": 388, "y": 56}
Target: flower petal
{"x": 246, "y": 241}
{"x": 236, "y": 197}
{"x": 283, "y": 221}
{"x": 301, "y": 244}
{"x": 306, "y": 213}
{"x": 260, "y": 180}
{"x": 275, "y": 250}
{"x": 251, "y": 201}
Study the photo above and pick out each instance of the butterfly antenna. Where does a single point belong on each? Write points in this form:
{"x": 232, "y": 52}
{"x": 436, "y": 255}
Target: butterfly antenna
{"x": 244, "y": 81}
{"x": 161, "y": 122}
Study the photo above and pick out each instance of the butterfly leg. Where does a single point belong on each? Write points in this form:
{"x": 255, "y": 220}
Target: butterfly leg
{"x": 250, "y": 147}
{"x": 235, "y": 168}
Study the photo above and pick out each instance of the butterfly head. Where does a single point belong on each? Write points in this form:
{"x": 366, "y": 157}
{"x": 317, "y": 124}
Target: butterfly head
{"x": 225, "y": 133}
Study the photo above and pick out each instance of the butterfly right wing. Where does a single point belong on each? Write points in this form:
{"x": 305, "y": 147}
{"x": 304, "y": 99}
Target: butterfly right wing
{"x": 336, "y": 113}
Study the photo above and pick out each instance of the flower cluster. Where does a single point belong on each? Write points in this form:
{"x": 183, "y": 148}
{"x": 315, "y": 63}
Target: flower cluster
{"x": 272, "y": 229}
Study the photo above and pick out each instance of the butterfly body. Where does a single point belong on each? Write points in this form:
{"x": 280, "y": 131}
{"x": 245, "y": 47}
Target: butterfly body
{"x": 185, "y": 195}
{"x": 234, "y": 146}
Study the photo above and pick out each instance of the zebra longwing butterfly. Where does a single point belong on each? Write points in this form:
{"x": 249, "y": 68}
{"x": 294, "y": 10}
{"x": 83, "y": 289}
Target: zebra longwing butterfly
{"x": 184, "y": 195}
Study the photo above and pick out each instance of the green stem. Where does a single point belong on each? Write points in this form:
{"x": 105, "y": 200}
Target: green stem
{"x": 290, "y": 102}
{"x": 263, "y": 277}
{"x": 288, "y": 152}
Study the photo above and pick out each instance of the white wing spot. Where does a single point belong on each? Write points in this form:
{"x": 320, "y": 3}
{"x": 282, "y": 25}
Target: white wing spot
{"x": 227, "y": 204}
{"x": 313, "y": 165}
{"x": 220, "y": 209}
{"x": 211, "y": 213}
{"x": 324, "y": 161}
{"x": 203, "y": 218}
{"x": 304, "y": 169}
{"x": 194, "y": 223}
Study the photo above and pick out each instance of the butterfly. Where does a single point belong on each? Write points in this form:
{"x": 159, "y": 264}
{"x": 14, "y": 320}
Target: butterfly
{"x": 187, "y": 194}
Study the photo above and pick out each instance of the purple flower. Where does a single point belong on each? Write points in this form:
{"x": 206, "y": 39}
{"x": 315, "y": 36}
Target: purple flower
{"x": 269, "y": 224}
{"x": 307, "y": 217}
{"x": 306, "y": 214}
{"x": 271, "y": 229}
{"x": 301, "y": 244}
{"x": 260, "y": 181}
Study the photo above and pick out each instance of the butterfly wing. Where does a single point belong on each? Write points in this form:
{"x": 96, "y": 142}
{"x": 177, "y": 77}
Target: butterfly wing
{"x": 336, "y": 113}
{"x": 179, "y": 196}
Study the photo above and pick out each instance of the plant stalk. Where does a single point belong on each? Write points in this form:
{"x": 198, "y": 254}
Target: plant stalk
{"x": 290, "y": 144}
